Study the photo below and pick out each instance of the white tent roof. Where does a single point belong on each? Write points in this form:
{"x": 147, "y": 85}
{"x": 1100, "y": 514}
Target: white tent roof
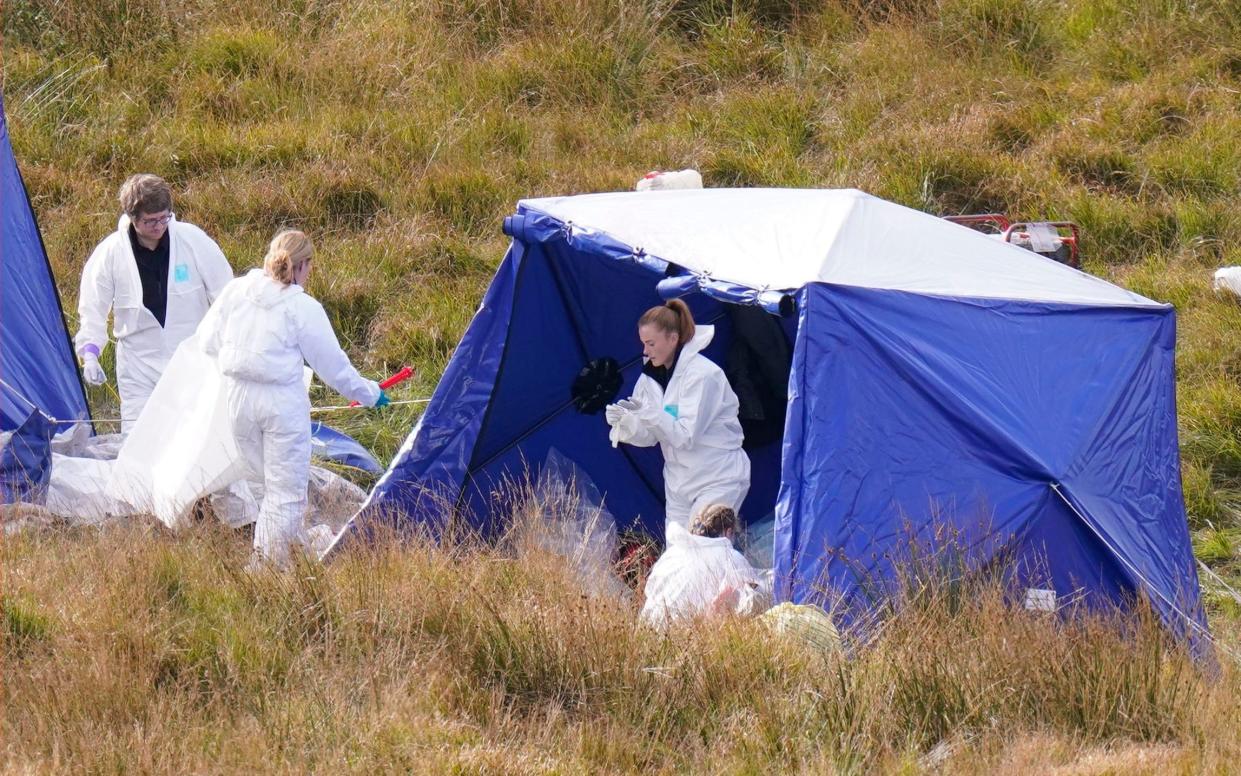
{"x": 785, "y": 238}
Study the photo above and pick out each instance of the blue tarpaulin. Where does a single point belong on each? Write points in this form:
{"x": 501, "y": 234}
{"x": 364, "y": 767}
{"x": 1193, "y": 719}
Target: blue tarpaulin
{"x": 26, "y": 461}
{"x": 37, "y": 365}
{"x": 326, "y": 442}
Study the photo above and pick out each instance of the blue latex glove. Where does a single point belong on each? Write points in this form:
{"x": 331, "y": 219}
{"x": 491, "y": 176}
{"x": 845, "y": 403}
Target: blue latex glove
{"x": 383, "y": 400}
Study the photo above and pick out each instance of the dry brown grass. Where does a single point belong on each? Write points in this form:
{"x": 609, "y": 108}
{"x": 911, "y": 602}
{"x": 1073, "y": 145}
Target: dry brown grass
{"x": 129, "y": 649}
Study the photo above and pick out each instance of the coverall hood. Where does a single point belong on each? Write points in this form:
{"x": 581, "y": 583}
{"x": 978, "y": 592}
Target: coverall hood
{"x": 697, "y": 343}
{"x": 266, "y": 293}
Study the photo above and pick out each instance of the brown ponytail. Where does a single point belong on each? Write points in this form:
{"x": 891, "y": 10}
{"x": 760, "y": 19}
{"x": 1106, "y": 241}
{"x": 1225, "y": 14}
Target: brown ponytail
{"x": 288, "y": 250}
{"x": 669, "y": 317}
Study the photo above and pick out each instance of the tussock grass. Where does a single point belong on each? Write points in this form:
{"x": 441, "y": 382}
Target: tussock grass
{"x": 129, "y": 648}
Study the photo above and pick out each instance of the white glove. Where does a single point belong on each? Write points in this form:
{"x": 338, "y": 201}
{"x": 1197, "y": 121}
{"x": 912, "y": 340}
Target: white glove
{"x": 92, "y": 371}
{"x": 625, "y": 425}
{"x": 613, "y": 413}
{"x": 643, "y": 413}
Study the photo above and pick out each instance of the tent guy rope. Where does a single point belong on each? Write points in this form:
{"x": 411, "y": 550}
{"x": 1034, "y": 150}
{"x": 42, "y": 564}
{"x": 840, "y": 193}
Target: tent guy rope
{"x": 71, "y": 422}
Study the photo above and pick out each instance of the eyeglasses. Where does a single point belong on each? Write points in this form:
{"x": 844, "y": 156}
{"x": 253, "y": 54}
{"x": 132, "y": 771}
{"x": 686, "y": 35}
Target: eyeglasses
{"x": 154, "y": 221}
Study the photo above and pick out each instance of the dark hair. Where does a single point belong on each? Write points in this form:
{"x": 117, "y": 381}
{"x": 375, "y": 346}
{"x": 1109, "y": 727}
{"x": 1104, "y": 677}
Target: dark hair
{"x": 669, "y": 317}
{"x": 714, "y": 521}
{"x": 144, "y": 193}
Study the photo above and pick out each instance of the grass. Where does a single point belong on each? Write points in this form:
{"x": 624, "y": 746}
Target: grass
{"x": 132, "y": 648}
{"x": 399, "y": 134}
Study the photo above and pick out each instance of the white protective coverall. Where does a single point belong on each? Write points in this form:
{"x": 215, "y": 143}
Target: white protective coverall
{"x": 695, "y": 424}
{"x": 261, "y": 333}
{"x": 197, "y": 274}
{"x": 693, "y": 570}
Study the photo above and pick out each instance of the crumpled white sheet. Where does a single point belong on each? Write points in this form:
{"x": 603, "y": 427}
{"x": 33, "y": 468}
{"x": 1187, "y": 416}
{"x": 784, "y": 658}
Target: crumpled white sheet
{"x": 78, "y": 495}
{"x": 82, "y": 468}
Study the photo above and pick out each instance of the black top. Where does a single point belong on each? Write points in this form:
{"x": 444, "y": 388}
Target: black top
{"x": 153, "y": 272}
{"x": 661, "y": 374}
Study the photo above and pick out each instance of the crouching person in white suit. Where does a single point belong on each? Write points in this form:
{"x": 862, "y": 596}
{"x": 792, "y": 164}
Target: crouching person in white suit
{"x": 157, "y": 276}
{"x": 683, "y": 403}
{"x": 700, "y": 573}
{"x": 261, "y": 331}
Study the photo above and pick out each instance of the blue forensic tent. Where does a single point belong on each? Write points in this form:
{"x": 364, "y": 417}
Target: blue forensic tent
{"x": 37, "y": 365}
{"x": 938, "y": 379}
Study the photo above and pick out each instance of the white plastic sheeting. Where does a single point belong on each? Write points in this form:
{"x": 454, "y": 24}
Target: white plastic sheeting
{"x": 78, "y": 491}
{"x": 78, "y": 495}
{"x": 83, "y": 469}
{"x": 565, "y": 515}
{"x": 181, "y": 448}
{"x": 785, "y": 238}
{"x": 1228, "y": 279}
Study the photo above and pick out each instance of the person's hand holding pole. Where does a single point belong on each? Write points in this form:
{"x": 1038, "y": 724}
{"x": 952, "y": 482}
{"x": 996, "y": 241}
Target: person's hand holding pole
{"x": 403, "y": 374}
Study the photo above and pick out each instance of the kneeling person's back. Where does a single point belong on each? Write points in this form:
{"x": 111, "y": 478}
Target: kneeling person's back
{"x": 701, "y": 572}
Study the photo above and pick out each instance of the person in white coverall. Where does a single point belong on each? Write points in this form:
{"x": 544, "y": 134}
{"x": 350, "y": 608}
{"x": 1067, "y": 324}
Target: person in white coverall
{"x": 701, "y": 573}
{"x": 261, "y": 330}
{"x": 157, "y": 276}
{"x": 683, "y": 403}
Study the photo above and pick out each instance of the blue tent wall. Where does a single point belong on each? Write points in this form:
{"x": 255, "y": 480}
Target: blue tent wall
{"x": 551, "y": 336}
{"x": 424, "y": 479}
{"x": 36, "y": 355}
{"x": 504, "y": 401}
{"x": 909, "y": 410}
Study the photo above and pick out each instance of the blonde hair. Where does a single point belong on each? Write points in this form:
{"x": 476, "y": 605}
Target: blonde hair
{"x": 671, "y": 317}
{"x": 288, "y": 250}
{"x": 144, "y": 193}
{"x": 714, "y": 521}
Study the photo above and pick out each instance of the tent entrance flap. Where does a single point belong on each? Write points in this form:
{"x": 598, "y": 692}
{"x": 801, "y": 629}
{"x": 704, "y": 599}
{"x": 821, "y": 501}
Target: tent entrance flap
{"x": 552, "y": 332}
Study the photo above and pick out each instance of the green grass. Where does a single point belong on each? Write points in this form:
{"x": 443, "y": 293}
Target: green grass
{"x": 399, "y": 135}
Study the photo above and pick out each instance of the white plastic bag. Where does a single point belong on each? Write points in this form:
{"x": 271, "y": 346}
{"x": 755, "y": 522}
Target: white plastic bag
{"x": 656, "y": 180}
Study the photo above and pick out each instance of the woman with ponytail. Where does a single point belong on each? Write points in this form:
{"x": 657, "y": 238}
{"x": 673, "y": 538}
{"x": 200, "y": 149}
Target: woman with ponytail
{"x": 683, "y": 403}
{"x": 262, "y": 330}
